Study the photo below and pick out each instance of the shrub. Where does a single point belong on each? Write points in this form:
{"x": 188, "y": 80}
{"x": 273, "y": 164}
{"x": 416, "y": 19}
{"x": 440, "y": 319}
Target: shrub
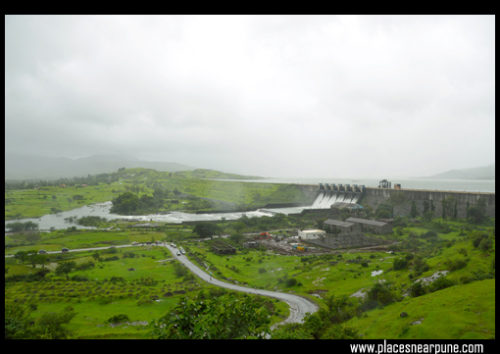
{"x": 86, "y": 265}
{"x": 486, "y": 244}
{"x": 109, "y": 259}
{"x": 381, "y": 293}
{"x": 118, "y": 319}
{"x": 400, "y": 263}
{"x": 455, "y": 264}
{"x": 417, "y": 289}
{"x": 79, "y": 278}
{"x": 440, "y": 283}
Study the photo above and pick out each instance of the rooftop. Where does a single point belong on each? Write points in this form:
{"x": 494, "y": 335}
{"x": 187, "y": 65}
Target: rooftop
{"x": 338, "y": 223}
{"x": 366, "y": 222}
{"x": 312, "y": 231}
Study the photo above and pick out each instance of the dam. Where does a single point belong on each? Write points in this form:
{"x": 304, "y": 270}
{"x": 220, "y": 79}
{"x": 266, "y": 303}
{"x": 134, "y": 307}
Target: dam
{"x": 402, "y": 200}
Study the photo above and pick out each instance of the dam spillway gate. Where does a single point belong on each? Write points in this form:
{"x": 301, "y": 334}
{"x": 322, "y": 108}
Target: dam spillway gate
{"x": 337, "y": 194}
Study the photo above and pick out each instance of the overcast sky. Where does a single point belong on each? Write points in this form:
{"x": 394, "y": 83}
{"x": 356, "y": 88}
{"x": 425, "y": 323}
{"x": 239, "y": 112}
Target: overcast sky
{"x": 283, "y": 96}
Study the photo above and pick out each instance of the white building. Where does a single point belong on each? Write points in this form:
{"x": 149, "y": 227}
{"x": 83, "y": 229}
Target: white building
{"x": 311, "y": 234}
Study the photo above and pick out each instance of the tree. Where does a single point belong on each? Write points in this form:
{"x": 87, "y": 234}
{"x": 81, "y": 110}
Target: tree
{"x": 17, "y": 322}
{"x": 38, "y": 259}
{"x": 22, "y": 226}
{"x": 65, "y": 268}
{"x": 206, "y": 229}
{"x": 125, "y": 203}
{"x": 236, "y": 237}
{"x": 381, "y": 293}
{"x": 24, "y": 255}
{"x": 417, "y": 289}
{"x": 400, "y": 263}
{"x": 234, "y": 317}
{"x": 50, "y": 325}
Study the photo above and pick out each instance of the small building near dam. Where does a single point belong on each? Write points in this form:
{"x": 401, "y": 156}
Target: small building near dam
{"x": 311, "y": 234}
{"x": 340, "y": 227}
{"x": 372, "y": 226}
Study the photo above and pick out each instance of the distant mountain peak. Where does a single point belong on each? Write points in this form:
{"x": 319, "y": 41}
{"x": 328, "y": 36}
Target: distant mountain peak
{"x": 484, "y": 172}
{"x": 29, "y": 167}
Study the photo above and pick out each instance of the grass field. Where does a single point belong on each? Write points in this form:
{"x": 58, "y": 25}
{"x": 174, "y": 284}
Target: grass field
{"x": 458, "y": 312}
{"x": 146, "y": 282}
{"x": 36, "y": 202}
{"x": 144, "y": 287}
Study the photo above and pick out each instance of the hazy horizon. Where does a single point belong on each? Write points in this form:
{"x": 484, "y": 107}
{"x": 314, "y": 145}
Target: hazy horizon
{"x": 275, "y": 96}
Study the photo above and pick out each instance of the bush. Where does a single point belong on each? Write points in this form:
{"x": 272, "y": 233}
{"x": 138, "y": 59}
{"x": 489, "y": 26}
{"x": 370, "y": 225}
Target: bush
{"x": 440, "y": 283}
{"x": 381, "y": 293}
{"x": 109, "y": 259}
{"x": 118, "y": 319}
{"x": 486, "y": 244}
{"x": 417, "y": 289}
{"x": 79, "y": 278}
{"x": 85, "y": 266}
{"x": 400, "y": 263}
{"x": 455, "y": 264}
{"x": 91, "y": 221}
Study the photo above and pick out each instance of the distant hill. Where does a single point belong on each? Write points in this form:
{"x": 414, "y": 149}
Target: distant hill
{"x": 30, "y": 167}
{"x": 213, "y": 174}
{"x": 485, "y": 172}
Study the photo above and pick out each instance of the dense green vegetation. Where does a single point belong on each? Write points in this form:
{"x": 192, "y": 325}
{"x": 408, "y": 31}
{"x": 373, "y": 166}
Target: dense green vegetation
{"x": 434, "y": 279}
{"x": 142, "y": 191}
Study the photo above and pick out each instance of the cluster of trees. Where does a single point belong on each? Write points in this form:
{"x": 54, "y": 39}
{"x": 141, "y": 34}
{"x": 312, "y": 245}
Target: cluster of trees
{"x": 22, "y": 226}
{"x": 51, "y": 325}
{"x": 218, "y": 315}
{"x": 129, "y": 203}
{"x": 91, "y": 221}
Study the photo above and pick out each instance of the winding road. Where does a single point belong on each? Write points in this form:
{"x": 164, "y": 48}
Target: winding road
{"x": 299, "y": 306}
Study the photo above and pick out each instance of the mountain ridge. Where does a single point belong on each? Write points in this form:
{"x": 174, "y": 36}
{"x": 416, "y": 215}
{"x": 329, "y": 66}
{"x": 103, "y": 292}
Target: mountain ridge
{"x": 483, "y": 172}
{"x": 32, "y": 167}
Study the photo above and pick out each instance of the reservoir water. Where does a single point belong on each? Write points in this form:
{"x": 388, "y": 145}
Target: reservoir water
{"x": 458, "y": 185}
{"x": 60, "y": 220}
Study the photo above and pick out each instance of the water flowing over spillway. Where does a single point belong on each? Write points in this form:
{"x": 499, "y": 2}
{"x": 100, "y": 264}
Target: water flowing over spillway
{"x": 324, "y": 200}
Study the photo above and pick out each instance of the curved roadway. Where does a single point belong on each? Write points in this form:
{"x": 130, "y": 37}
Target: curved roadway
{"x": 299, "y": 306}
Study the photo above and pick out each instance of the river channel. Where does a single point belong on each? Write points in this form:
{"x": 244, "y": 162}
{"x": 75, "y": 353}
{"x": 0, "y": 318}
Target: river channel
{"x": 67, "y": 219}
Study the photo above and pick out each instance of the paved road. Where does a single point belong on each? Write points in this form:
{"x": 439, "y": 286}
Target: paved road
{"x": 299, "y": 306}
{"x": 84, "y": 249}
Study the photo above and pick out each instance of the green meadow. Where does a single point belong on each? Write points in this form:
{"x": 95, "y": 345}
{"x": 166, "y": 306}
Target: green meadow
{"x": 382, "y": 294}
{"x": 141, "y": 282}
{"x": 458, "y": 312}
{"x": 188, "y": 192}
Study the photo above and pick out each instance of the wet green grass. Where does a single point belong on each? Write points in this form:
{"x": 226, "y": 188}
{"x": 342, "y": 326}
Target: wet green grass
{"x": 458, "y": 312}
{"x": 31, "y": 203}
{"x": 144, "y": 294}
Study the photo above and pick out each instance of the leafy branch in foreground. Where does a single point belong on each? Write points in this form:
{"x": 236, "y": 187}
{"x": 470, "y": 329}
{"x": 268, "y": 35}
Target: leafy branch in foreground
{"x": 230, "y": 316}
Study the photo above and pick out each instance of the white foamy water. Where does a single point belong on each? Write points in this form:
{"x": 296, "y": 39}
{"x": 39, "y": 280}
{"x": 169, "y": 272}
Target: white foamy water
{"x": 60, "y": 220}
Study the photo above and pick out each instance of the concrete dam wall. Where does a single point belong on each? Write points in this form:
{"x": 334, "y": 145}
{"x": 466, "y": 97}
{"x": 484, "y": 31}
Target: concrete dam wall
{"x": 451, "y": 201}
{"x": 454, "y": 203}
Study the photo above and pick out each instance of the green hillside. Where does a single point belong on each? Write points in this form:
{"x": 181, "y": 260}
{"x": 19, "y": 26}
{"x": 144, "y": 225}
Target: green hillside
{"x": 458, "y": 312}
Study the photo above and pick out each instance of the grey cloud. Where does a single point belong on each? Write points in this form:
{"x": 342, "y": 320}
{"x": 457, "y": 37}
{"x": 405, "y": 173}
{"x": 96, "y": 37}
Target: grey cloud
{"x": 271, "y": 95}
